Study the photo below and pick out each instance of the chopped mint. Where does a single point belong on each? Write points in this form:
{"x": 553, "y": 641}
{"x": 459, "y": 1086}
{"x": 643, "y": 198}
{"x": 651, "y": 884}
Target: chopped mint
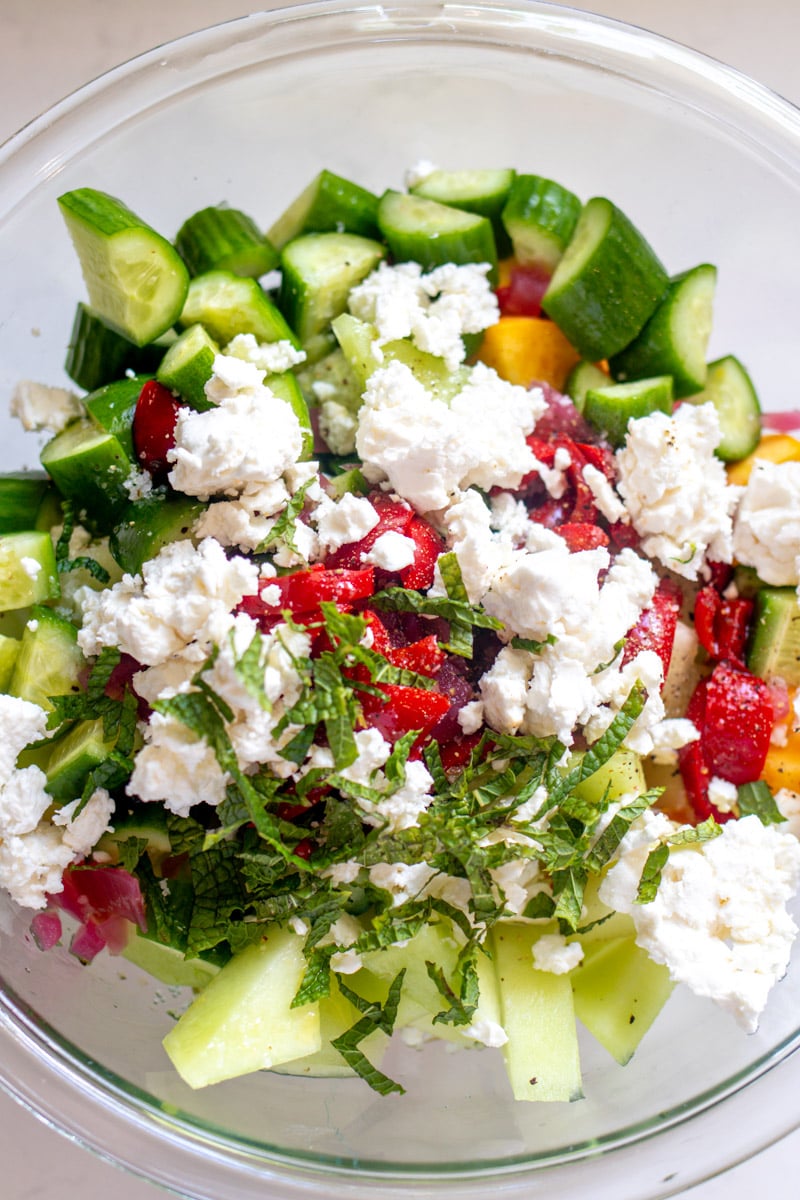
{"x": 375, "y": 1016}
{"x": 757, "y": 799}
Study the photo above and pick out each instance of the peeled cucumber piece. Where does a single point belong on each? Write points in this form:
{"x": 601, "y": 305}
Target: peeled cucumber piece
{"x": 243, "y": 1020}
{"x": 618, "y": 992}
{"x": 541, "y": 1053}
{"x": 622, "y": 773}
{"x": 356, "y": 338}
{"x": 168, "y": 965}
{"x": 420, "y": 997}
{"x": 336, "y": 1016}
{"x": 136, "y": 280}
{"x": 89, "y": 466}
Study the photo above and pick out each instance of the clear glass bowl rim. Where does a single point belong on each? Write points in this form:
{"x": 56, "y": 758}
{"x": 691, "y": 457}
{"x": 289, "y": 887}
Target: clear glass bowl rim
{"x": 182, "y": 1154}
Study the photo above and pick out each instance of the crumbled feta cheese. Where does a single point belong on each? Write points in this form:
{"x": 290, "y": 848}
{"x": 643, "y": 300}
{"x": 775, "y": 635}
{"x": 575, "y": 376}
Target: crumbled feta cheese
{"x": 676, "y": 490}
{"x": 718, "y": 921}
{"x": 669, "y": 736}
{"x": 343, "y": 872}
{"x": 23, "y": 801}
{"x": 176, "y": 768}
{"x": 766, "y": 533}
{"x": 272, "y": 357}
{"x": 337, "y": 423}
{"x": 605, "y": 497}
{"x": 22, "y": 722}
{"x": 435, "y": 310}
{"x": 345, "y": 962}
{"x": 31, "y": 865}
{"x": 247, "y": 521}
{"x": 82, "y": 833}
{"x": 722, "y": 794}
{"x": 185, "y": 594}
{"x": 788, "y": 803}
{"x": 251, "y": 436}
{"x": 547, "y": 593}
{"x": 552, "y": 952}
{"x": 403, "y": 881}
{"x": 504, "y": 690}
{"x": 487, "y": 1032}
{"x": 40, "y": 407}
{"x": 392, "y": 551}
{"x": 343, "y": 521}
{"x": 470, "y": 717}
{"x": 138, "y": 484}
{"x": 31, "y": 566}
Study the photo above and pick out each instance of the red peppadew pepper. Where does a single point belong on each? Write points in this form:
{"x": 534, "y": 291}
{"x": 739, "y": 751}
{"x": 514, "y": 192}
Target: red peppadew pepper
{"x": 154, "y": 421}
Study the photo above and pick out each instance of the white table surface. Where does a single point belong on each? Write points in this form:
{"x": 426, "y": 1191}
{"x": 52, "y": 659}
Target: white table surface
{"x": 50, "y": 47}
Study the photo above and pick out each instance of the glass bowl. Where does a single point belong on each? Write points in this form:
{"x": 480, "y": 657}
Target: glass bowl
{"x": 707, "y": 163}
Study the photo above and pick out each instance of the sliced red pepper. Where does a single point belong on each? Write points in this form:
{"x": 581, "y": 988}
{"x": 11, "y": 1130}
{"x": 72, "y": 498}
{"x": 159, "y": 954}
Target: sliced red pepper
{"x": 655, "y": 629}
{"x": 302, "y": 592}
{"x": 456, "y": 754}
{"x": 404, "y": 709}
{"x": 428, "y": 547}
{"x": 721, "y": 624}
{"x": 393, "y": 516}
{"x": 738, "y": 724}
{"x": 154, "y": 420}
{"x": 425, "y": 656}
{"x": 581, "y": 535}
{"x": 522, "y": 295}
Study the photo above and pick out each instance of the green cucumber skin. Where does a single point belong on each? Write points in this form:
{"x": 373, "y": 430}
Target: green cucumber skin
{"x": 461, "y": 189}
{"x": 188, "y": 365}
{"x": 330, "y": 203}
{"x": 318, "y": 272}
{"x": 225, "y": 239}
{"x": 97, "y": 354}
{"x": 286, "y": 387}
{"x": 774, "y": 644}
{"x": 73, "y": 757}
{"x": 463, "y": 242}
{"x": 540, "y": 216}
{"x": 21, "y": 496}
{"x": 145, "y": 526}
{"x": 227, "y": 304}
{"x": 610, "y": 408}
{"x": 603, "y": 304}
{"x": 112, "y": 408}
{"x": 730, "y": 389}
{"x": 17, "y": 588}
{"x": 49, "y": 647}
{"x": 584, "y": 375}
{"x": 89, "y": 467}
{"x": 657, "y": 349}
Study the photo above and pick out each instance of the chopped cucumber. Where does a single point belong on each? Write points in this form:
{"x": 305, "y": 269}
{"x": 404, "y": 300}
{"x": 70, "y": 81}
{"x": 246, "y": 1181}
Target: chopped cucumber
{"x": 28, "y": 573}
{"x": 89, "y": 466}
{"x": 610, "y": 408}
{"x": 330, "y": 204}
{"x": 336, "y": 1016}
{"x": 435, "y": 943}
{"x": 618, "y": 992}
{"x": 49, "y": 662}
{"x": 73, "y": 757}
{"x": 136, "y": 280}
{"x": 97, "y": 354}
{"x": 430, "y": 233}
{"x": 9, "y": 649}
{"x": 607, "y": 283}
{"x": 188, "y": 365}
{"x": 21, "y": 496}
{"x": 286, "y": 387}
{"x": 584, "y": 375}
{"x": 225, "y": 239}
{"x": 112, "y": 407}
{"x": 730, "y": 389}
{"x": 244, "y": 1020}
{"x": 675, "y": 338}
{"x": 482, "y": 191}
{"x": 318, "y": 272}
{"x": 147, "y": 525}
{"x": 774, "y": 647}
{"x": 540, "y": 217}
{"x": 622, "y": 774}
{"x": 541, "y": 1053}
{"x": 227, "y": 304}
{"x": 149, "y": 825}
{"x": 356, "y": 339}
{"x": 167, "y": 964}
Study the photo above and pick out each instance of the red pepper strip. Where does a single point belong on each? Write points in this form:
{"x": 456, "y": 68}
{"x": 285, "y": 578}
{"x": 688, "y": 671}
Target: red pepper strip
{"x": 582, "y": 535}
{"x": 428, "y": 547}
{"x": 456, "y": 754}
{"x": 154, "y": 420}
{"x": 655, "y": 629}
{"x": 522, "y": 295}
{"x": 721, "y": 624}
{"x": 425, "y": 656}
{"x": 623, "y": 536}
{"x": 302, "y": 592}
{"x": 739, "y": 717}
{"x": 720, "y": 574}
{"x": 404, "y": 709}
{"x": 393, "y": 515}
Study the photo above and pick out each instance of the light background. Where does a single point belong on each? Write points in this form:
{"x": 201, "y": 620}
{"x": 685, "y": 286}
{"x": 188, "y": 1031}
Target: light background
{"x": 50, "y": 47}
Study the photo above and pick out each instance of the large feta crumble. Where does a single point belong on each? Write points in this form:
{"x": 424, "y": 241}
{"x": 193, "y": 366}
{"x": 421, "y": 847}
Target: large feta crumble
{"x": 43, "y": 408}
{"x": 766, "y": 534}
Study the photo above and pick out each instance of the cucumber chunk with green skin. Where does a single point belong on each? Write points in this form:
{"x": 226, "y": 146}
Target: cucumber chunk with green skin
{"x": 356, "y": 338}
{"x": 225, "y": 239}
{"x": 188, "y": 365}
{"x": 21, "y": 495}
{"x": 243, "y": 1020}
{"x": 318, "y": 272}
{"x": 112, "y": 407}
{"x": 147, "y": 525}
{"x": 9, "y": 649}
{"x": 168, "y": 965}
{"x": 607, "y": 283}
{"x": 424, "y": 231}
{"x": 227, "y": 304}
{"x": 136, "y": 280}
{"x": 482, "y": 191}
{"x": 49, "y": 662}
{"x": 28, "y": 572}
{"x": 618, "y": 992}
{"x": 610, "y": 408}
{"x": 73, "y": 757}
{"x": 97, "y": 354}
{"x": 89, "y": 466}
{"x": 774, "y": 646}
{"x": 149, "y": 826}
{"x": 541, "y": 1053}
{"x": 584, "y": 375}
{"x": 286, "y": 387}
{"x": 328, "y": 204}
{"x": 730, "y": 389}
{"x": 540, "y": 217}
{"x": 675, "y": 338}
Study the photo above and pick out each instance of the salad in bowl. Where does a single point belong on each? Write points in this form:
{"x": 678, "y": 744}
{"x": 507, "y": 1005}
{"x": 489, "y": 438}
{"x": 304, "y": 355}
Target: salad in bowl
{"x": 401, "y": 638}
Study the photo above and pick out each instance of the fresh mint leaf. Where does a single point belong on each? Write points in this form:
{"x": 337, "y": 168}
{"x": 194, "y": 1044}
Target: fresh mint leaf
{"x": 375, "y": 1016}
{"x": 756, "y": 799}
{"x": 283, "y": 530}
{"x": 84, "y": 562}
{"x": 651, "y": 874}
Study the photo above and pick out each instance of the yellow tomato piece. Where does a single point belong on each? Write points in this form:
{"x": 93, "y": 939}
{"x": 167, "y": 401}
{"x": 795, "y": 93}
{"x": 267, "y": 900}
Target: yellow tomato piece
{"x": 525, "y": 350}
{"x": 774, "y": 447}
{"x": 782, "y": 768}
